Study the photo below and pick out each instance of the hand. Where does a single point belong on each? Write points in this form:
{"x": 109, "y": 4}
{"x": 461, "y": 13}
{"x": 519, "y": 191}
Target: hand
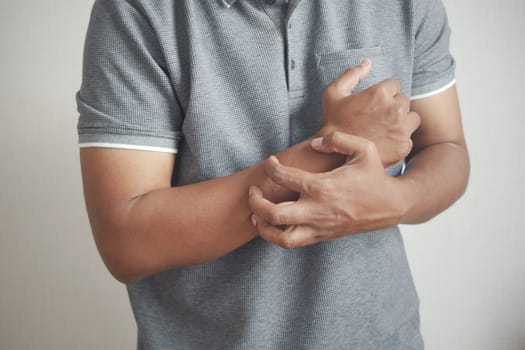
{"x": 356, "y": 197}
{"x": 380, "y": 113}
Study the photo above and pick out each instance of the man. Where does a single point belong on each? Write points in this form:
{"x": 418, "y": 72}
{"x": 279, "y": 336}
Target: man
{"x": 226, "y": 84}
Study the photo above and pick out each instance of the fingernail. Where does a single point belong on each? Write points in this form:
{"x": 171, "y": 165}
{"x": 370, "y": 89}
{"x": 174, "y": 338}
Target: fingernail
{"x": 250, "y": 191}
{"x": 317, "y": 142}
{"x": 253, "y": 220}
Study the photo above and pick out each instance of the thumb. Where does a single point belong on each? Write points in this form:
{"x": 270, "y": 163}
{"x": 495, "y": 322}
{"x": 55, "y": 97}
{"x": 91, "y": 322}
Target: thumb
{"x": 348, "y": 81}
{"x": 354, "y": 147}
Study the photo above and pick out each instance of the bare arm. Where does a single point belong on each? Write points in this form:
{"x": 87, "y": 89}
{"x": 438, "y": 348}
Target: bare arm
{"x": 142, "y": 226}
{"x": 438, "y": 170}
{"x": 359, "y": 196}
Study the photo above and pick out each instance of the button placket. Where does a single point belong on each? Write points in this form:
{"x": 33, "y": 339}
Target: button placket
{"x": 291, "y": 54}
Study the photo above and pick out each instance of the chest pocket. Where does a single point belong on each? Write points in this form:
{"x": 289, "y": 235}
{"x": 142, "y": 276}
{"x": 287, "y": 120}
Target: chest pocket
{"x": 332, "y": 64}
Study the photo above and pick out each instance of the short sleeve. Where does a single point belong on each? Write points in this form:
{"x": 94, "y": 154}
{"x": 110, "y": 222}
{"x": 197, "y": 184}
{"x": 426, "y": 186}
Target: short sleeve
{"x": 126, "y": 99}
{"x": 433, "y": 64}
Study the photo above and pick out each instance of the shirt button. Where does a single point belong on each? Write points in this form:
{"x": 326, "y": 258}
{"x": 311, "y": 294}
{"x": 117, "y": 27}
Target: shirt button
{"x": 292, "y": 64}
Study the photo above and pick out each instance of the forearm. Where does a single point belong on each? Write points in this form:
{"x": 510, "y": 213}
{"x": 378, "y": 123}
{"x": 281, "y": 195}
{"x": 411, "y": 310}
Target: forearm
{"x": 143, "y": 226}
{"x": 186, "y": 225}
{"x": 192, "y": 224}
{"x": 434, "y": 179}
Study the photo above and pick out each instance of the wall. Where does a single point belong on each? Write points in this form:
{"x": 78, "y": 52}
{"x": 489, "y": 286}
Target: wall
{"x": 468, "y": 263}
{"x": 56, "y": 294}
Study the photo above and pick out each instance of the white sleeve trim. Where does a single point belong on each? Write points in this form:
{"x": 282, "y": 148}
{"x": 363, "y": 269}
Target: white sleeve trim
{"x": 124, "y": 146}
{"x": 435, "y": 92}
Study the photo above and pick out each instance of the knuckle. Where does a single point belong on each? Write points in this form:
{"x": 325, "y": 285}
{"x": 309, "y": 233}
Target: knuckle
{"x": 384, "y": 94}
{"x": 335, "y": 138}
{"x": 275, "y": 217}
{"x": 397, "y": 116}
{"x": 316, "y": 187}
{"x": 408, "y": 147}
{"x": 329, "y": 92}
{"x": 287, "y": 242}
{"x": 395, "y": 83}
{"x": 404, "y": 148}
{"x": 381, "y": 91}
{"x": 310, "y": 187}
{"x": 278, "y": 174}
{"x": 368, "y": 146}
{"x": 405, "y": 101}
{"x": 399, "y": 110}
{"x": 323, "y": 187}
{"x": 391, "y": 113}
{"x": 417, "y": 120}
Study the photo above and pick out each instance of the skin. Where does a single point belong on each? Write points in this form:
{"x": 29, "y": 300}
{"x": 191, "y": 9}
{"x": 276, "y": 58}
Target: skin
{"x": 142, "y": 225}
{"x": 359, "y": 196}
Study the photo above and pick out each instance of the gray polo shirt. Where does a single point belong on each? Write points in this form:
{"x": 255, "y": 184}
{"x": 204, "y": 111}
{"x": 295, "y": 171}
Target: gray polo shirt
{"x": 225, "y": 84}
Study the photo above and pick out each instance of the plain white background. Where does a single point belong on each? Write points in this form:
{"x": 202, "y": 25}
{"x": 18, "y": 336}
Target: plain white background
{"x": 55, "y": 293}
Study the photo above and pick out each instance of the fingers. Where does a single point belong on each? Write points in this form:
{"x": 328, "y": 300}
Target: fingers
{"x": 413, "y": 121}
{"x": 403, "y": 101}
{"x": 352, "y": 146}
{"x": 348, "y": 81}
{"x": 387, "y": 88}
{"x": 290, "y": 237}
{"x": 286, "y": 224}
{"x": 293, "y": 179}
{"x": 285, "y": 213}
{"x": 412, "y": 118}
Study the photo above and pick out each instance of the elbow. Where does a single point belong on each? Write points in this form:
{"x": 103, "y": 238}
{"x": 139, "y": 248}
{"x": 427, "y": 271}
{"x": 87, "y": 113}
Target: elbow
{"x": 123, "y": 247}
{"x": 465, "y": 171}
{"x": 121, "y": 260}
{"x": 127, "y": 279}
{"x": 460, "y": 174}
{"x": 459, "y": 171}
{"x": 122, "y": 269}
{"x": 125, "y": 274}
